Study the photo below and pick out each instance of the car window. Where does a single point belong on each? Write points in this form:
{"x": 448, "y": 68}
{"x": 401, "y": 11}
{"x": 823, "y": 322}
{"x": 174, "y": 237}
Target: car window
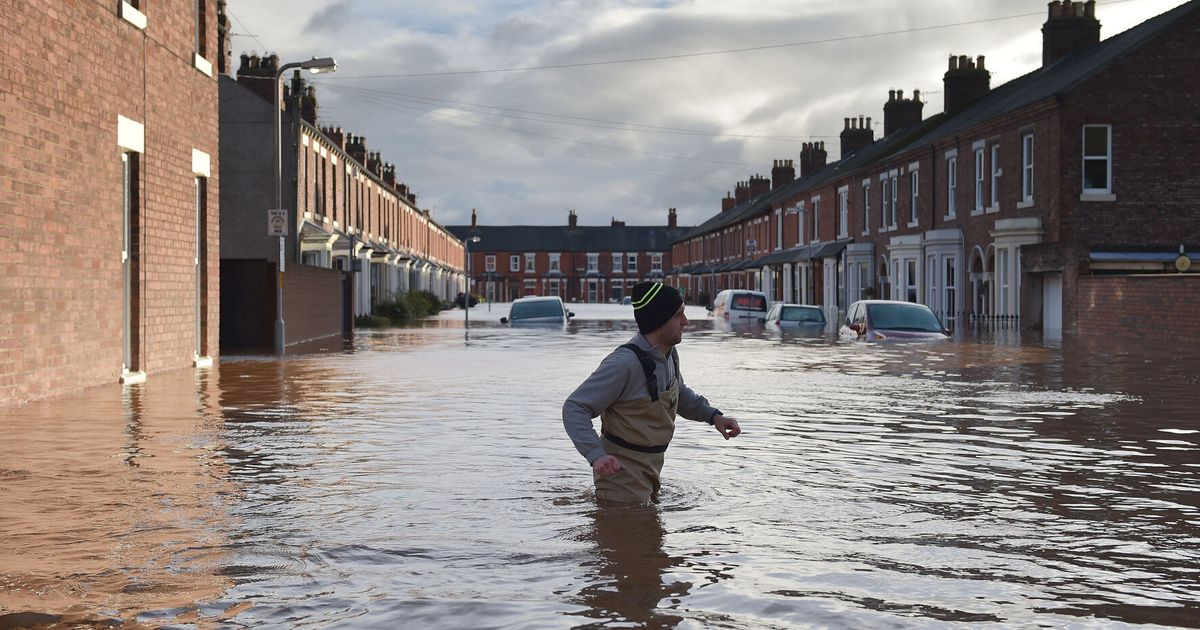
{"x": 535, "y": 308}
{"x": 801, "y": 314}
{"x": 903, "y": 317}
{"x": 749, "y": 302}
{"x": 860, "y": 314}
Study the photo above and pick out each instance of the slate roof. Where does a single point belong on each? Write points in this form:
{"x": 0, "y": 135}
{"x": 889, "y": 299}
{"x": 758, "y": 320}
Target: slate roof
{"x": 562, "y": 238}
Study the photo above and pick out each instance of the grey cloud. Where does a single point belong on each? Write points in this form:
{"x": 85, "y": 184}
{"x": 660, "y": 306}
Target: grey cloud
{"x": 330, "y": 19}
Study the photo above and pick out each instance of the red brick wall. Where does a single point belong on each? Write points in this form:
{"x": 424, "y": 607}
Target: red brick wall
{"x": 312, "y": 303}
{"x": 1163, "y": 306}
{"x": 68, "y": 70}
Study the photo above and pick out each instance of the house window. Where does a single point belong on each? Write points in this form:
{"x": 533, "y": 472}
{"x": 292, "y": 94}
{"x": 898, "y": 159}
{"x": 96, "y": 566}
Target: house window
{"x": 978, "y": 181}
{"x": 995, "y": 189}
{"x": 914, "y": 186}
{"x": 616, "y": 262}
{"x": 656, "y": 262}
{"x": 632, "y": 263}
{"x": 514, "y": 263}
{"x": 884, "y": 197}
{"x": 778, "y": 228}
{"x": 866, "y": 197}
{"x": 951, "y": 187}
{"x": 130, "y": 259}
{"x": 1097, "y": 158}
{"x": 910, "y": 280}
{"x": 1002, "y": 270}
{"x": 198, "y": 26}
{"x": 555, "y": 262}
{"x": 1027, "y": 167}
{"x": 843, "y": 213}
{"x": 593, "y": 262}
{"x": 489, "y": 262}
{"x": 950, "y": 292}
{"x": 530, "y": 287}
{"x": 895, "y": 185}
{"x": 201, "y": 266}
{"x": 529, "y": 263}
{"x": 816, "y": 214}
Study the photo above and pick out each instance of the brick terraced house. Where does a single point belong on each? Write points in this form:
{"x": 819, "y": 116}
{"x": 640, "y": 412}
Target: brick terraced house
{"x": 108, "y": 167}
{"x": 579, "y": 263}
{"x": 1063, "y": 200}
{"x": 356, "y": 235}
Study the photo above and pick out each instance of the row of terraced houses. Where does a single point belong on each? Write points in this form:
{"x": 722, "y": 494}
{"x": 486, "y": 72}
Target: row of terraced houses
{"x": 136, "y": 175}
{"x": 1065, "y": 199}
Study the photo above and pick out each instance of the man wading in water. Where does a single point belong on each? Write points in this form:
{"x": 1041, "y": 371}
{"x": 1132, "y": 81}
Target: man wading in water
{"x": 637, "y": 391}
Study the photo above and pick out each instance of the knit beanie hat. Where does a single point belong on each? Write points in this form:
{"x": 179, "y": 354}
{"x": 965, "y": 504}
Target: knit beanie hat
{"x": 654, "y": 303}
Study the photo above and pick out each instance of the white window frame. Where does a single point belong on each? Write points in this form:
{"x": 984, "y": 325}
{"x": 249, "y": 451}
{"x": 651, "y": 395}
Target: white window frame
{"x": 843, "y": 212}
{"x": 866, "y": 197}
{"x": 530, "y": 262}
{"x": 514, "y": 263}
{"x": 618, "y": 259}
{"x": 555, "y": 262}
{"x": 1026, "y": 171}
{"x": 978, "y": 209}
{"x": 593, "y": 261}
{"x": 631, "y": 262}
{"x": 778, "y": 228}
{"x": 1097, "y": 194}
{"x": 489, "y": 262}
{"x": 895, "y": 179}
{"x": 952, "y": 185}
{"x": 816, "y": 218}
{"x": 996, "y": 173}
{"x": 914, "y": 190}
{"x": 884, "y": 195}
{"x": 656, "y": 262}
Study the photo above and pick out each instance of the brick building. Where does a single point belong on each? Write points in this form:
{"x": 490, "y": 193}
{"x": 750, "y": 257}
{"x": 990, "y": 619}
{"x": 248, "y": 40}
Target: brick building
{"x": 108, "y": 167}
{"x": 356, "y": 235}
{"x": 579, "y": 263}
{"x": 1022, "y": 202}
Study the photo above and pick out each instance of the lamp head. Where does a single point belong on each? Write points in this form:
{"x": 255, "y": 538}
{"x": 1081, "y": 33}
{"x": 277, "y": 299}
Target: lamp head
{"x": 319, "y": 65}
{"x": 475, "y": 239}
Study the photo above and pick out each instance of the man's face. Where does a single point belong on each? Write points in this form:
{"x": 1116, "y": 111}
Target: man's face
{"x": 671, "y": 332}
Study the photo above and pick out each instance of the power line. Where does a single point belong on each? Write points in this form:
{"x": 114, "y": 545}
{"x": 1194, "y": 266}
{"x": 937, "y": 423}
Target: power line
{"x": 384, "y": 103}
{"x": 599, "y": 123}
{"x": 244, "y": 28}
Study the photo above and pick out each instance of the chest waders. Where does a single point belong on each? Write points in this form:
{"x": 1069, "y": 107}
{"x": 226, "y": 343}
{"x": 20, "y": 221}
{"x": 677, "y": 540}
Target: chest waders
{"x": 637, "y": 433}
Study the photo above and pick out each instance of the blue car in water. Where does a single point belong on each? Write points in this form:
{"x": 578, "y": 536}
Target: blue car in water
{"x": 538, "y": 310}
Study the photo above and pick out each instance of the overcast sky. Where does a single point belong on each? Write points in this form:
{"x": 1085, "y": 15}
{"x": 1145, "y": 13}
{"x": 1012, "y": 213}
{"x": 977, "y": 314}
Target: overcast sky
{"x": 626, "y": 140}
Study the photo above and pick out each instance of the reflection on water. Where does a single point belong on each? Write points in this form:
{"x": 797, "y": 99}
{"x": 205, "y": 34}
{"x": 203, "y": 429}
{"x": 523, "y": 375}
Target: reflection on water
{"x": 423, "y": 479}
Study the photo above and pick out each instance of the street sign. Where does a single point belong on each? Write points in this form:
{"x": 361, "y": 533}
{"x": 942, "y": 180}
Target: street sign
{"x": 751, "y": 245}
{"x": 277, "y": 221}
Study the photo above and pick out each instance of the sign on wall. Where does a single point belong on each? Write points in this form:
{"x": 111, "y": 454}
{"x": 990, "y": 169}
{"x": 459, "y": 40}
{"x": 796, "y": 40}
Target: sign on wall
{"x": 277, "y": 221}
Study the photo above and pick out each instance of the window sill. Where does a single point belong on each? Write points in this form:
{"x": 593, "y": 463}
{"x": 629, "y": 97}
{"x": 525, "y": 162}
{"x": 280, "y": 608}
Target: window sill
{"x": 203, "y": 65}
{"x": 133, "y": 16}
{"x": 133, "y": 378}
{"x": 913, "y": 224}
{"x": 1025, "y": 203}
{"x": 202, "y": 362}
{"x": 977, "y": 212}
{"x": 949, "y": 217}
{"x": 1097, "y": 196}
{"x": 992, "y": 209}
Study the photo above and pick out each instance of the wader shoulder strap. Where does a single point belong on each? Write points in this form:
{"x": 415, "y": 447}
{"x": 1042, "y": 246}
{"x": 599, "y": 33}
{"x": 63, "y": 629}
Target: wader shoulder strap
{"x": 647, "y": 369}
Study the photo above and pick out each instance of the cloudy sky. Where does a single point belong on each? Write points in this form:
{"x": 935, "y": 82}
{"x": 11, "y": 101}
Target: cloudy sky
{"x": 622, "y": 109}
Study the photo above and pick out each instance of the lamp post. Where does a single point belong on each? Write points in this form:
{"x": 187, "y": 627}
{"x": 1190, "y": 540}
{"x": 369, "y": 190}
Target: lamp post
{"x": 316, "y": 65}
{"x": 467, "y": 297}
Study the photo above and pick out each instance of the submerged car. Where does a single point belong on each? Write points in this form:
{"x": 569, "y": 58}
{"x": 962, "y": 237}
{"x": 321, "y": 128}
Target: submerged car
{"x": 876, "y": 320}
{"x": 739, "y": 306}
{"x": 537, "y": 310}
{"x": 795, "y": 318}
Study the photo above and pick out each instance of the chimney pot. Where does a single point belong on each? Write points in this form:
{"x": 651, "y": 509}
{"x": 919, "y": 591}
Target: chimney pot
{"x": 953, "y": 63}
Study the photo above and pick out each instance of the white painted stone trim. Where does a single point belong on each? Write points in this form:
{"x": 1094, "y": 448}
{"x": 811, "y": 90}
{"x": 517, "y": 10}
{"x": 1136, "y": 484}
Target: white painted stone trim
{"x": 131, "y": 134}
{"x": 202, "y": 64}
{"x": 1097, "y": 197}
{"x": 202, "y": 362}
{"x": 132, "y": 15}
{"x": 201, "y": 163}
{"x": 132, "y": 378}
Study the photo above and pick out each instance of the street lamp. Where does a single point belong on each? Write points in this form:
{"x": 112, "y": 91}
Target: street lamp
{"x": 467, "y": 297}
{"x": 316, "y": 65}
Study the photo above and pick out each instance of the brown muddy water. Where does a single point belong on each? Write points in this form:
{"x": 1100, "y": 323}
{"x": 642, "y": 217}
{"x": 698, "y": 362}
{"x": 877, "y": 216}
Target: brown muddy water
{"x": 418, "y": 480}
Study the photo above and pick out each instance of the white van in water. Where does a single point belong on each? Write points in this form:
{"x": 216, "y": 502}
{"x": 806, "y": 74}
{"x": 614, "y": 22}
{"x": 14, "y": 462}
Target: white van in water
{"x": 739, "y": 306}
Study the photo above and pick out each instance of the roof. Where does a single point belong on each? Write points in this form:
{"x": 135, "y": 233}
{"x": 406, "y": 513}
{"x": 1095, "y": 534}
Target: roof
{"x": 562, "y": 238}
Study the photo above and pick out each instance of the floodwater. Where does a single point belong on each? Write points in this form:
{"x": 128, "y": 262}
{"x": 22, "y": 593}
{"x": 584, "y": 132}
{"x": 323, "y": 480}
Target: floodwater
{"x": 420, "y": 480}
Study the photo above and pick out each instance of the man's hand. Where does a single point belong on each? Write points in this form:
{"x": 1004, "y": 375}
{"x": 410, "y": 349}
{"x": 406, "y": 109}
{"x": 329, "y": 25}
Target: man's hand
{"x": 608, "y": 465}
{"x": 727, "y": 426}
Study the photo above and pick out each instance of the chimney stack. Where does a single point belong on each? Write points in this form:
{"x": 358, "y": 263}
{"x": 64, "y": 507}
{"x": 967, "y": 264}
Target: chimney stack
{"x": 759, "y": 185}
{"x": 474, "y": 219}
{"x": 965, "y": 81}
{"x": 857, "y": 135}
{"x": 728, "y": 202}
{"x": 616, "y": 223}
{"x": 572, "y": 219}
{"x": 356, "y": 146}
{"x": 741, "y": 193}
{"x": 258, "y": 75}
{"x": 812, "y": 157}
{"x": 1070, "y": 27}
{"x": 901, "y": 113}
{"x": 782, "y": 173}
{"x": 672, "y": 219}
